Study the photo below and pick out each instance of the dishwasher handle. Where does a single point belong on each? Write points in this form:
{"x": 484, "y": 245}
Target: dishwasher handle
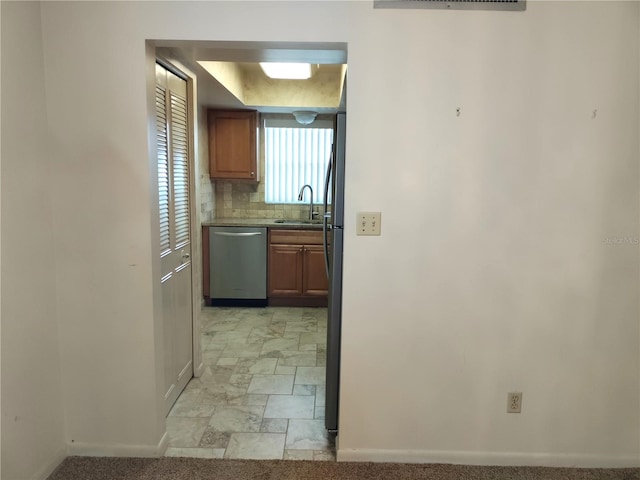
{"x": 237, "y": 234}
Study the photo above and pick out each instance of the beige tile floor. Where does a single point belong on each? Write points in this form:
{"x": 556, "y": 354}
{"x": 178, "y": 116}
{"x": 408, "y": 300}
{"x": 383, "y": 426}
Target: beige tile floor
{"x": 262, "y": 393}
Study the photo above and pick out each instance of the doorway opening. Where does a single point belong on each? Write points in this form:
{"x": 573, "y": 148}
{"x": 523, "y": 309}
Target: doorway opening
{"x": 258, "y": 389}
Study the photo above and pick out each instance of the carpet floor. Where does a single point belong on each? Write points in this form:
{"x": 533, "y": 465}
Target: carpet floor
{"x": 110, "y": 468}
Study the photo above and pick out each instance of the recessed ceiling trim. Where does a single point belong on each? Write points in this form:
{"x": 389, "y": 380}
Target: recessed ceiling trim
{"x": 254, "y": 52}
{"x": 510, "y": 5}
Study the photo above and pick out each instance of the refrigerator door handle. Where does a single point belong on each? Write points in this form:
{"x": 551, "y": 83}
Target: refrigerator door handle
{"x": 327, "y": 178}
{"x": 325, "y": 217}
{"x": 325, "y": 243}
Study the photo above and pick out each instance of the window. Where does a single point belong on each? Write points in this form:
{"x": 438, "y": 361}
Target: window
{"x": 296, "y": 155}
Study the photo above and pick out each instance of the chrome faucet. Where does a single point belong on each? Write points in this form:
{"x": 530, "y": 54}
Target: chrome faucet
{"x": 300, "y": 195}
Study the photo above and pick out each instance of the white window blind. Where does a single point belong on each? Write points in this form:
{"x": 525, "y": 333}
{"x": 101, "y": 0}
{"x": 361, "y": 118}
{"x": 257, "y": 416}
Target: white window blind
{"x": 296, "y": 156}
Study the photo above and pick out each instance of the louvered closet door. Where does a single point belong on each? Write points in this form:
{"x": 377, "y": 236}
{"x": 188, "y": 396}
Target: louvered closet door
{"x": 175, "y": 238}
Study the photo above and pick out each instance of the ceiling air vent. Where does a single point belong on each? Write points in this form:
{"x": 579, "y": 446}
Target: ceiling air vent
{"x": 453, "y": 4}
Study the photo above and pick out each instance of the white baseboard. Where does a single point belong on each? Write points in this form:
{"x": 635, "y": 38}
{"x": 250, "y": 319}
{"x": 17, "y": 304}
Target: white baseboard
{"x": 488, "y": 458}
{"x": 50, "y": 466}
{"x": 100, "y": 450}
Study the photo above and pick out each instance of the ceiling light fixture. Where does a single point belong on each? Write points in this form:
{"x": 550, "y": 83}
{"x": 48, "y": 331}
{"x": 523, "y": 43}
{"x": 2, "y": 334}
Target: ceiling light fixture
{"x": 305, "y": 117}
{"x": 288, "y": 71}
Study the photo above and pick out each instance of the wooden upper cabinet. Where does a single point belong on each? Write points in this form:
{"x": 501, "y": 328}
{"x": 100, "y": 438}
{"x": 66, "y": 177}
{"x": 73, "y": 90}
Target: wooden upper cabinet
{"x": 233, "y": 141}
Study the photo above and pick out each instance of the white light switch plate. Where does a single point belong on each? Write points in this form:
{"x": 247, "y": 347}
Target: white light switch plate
{"x": 368, "y": 223}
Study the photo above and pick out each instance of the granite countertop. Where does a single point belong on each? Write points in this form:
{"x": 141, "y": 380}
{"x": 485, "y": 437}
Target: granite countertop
{"x": 263, "y": 222}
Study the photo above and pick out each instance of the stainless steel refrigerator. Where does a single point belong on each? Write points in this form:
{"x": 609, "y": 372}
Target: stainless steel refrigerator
{"x": 333, "y": 241}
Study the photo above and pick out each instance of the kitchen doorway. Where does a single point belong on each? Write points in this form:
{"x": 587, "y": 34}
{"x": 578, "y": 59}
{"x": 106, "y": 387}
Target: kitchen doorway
{"x": 259, "y": 386}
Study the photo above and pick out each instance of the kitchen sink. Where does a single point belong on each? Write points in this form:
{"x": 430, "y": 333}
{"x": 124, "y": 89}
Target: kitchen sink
{"x": 298, "y": 222}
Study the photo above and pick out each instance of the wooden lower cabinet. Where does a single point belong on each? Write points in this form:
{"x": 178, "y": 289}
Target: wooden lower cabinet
{"x": 297, "y": 274}
{"x": 285, "y": 270}
{"x": 314, "y": 280}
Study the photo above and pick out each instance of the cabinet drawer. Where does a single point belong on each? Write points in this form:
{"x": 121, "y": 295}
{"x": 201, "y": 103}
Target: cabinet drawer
{"x": 296, "y": 237}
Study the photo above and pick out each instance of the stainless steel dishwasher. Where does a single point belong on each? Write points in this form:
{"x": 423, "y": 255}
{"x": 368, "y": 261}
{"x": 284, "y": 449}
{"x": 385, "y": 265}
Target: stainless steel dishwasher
{"x": 238, "y": 265}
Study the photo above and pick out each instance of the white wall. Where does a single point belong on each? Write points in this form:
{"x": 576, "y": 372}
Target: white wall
{"x": 97, "y": 114}
{"x": 32, "y": 417}
{"x": 491, "y": 274}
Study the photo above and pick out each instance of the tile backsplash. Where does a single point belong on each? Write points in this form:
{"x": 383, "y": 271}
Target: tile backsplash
{"x": 207, "y": 187}
{"x": 207, "y": 195}
{"x": 246, "y": 200}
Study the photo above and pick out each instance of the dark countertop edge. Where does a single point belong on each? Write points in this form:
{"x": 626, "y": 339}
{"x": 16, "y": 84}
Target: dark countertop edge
{"x": 268, "y": 223}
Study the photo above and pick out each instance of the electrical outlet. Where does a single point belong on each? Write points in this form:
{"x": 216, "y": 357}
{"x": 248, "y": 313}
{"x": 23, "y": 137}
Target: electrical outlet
{"x": 514, "y": 402}
{"x": 368, "y": 223}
